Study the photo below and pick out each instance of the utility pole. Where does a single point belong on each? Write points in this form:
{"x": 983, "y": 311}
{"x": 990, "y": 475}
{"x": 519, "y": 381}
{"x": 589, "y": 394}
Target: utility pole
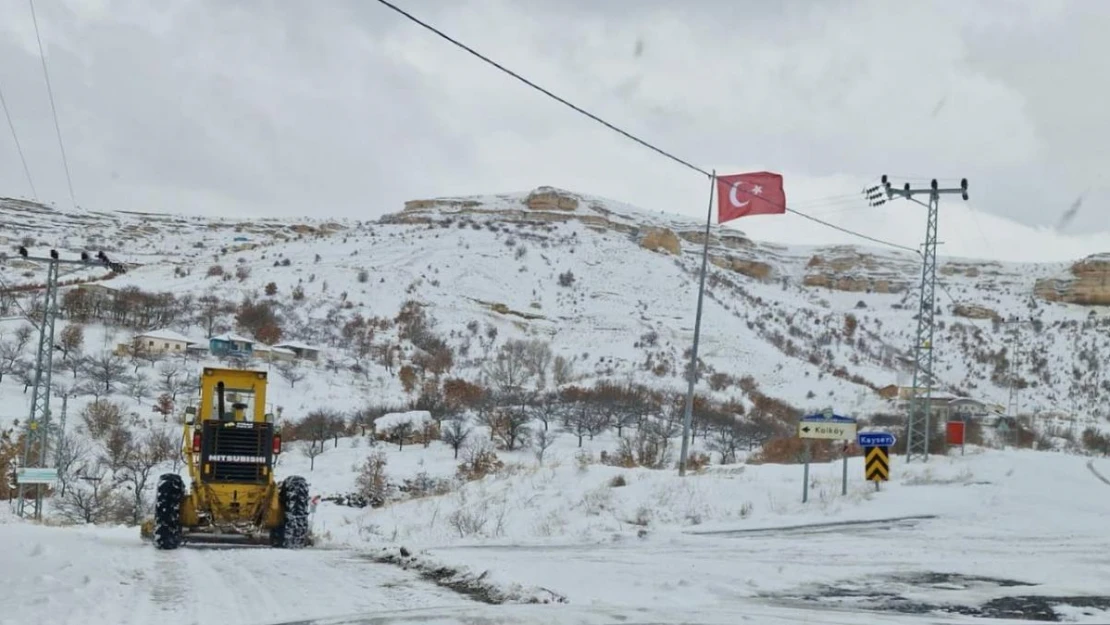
{"x": 692, "y": 373}
{"x": 1012, "y": 401}
{"x": 36, "y": 441}
{"x": 918, "y": 430}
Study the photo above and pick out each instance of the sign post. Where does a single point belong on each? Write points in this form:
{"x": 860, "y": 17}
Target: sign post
{"x": 876, "y": 453}
{"x": 825, "y": 426}
{"x": 805, "y": 474}
{"x": 844, "y": 471}
{"x": 955, "y": 431}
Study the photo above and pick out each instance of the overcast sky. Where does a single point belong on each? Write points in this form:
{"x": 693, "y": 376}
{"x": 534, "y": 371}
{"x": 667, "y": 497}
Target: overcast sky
{"x": 343, "y": 108}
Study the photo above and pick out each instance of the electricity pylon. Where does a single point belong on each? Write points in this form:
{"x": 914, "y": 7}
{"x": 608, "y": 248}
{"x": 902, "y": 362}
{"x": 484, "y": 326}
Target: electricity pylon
{"x": 36, "y": 441}
{"x": 918, "y": 427}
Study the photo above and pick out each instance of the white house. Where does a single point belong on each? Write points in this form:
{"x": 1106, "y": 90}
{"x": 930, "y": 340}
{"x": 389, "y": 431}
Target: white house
{"x": 302, "y": 350}
{"x": 272, "y": 354}
{"x": 161, "y": 342}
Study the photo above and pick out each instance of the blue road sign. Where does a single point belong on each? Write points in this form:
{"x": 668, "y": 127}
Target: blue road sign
{"x": 875, "y": 439}
{"x": 829, "y": 419}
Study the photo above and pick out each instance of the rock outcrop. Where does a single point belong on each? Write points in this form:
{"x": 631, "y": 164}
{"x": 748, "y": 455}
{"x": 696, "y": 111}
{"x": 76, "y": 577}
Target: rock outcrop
{"x": 550, "y": 199}
{"x": 418, "y": 205}
{"x": 847, "y": 269}
{"x": 974, "y": 311}
{"x": 656, "y": 238}
{"x": 1087, "y": 282}
{"x": 751, "y": 268}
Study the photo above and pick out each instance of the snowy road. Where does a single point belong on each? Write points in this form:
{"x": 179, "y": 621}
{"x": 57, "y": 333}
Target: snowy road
{"x": 999, "y": 535}
{"x": 1006, "y": 535}
{"x": 98, "y": 577}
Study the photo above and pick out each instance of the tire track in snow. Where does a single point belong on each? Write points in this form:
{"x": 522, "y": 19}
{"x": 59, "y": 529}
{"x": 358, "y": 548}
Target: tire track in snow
{"x": 811, "y": 528}
{"x": 1094, "y": 471}
{"x": 168, "y": 593}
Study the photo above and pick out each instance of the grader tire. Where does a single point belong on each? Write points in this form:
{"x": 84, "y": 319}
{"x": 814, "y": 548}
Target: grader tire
{"x": 293, "y": 532}
{"x": 167, "y": 511}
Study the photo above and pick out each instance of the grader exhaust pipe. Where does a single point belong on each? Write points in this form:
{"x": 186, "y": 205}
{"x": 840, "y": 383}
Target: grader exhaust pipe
{"x": 220, "y": 399}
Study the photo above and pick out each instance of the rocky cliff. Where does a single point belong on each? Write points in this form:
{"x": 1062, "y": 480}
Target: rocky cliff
{"x": 1086, "y": 282}
{"x": 838, "y": 268}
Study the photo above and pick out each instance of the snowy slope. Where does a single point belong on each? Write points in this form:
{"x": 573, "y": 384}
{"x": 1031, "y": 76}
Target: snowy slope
{"x": 485, "y": 263}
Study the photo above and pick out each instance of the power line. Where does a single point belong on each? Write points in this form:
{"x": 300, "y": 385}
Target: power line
{"x": 613, "y": 127}
{"x": 53, "y": 108}
{"x": 18, "y": 147}
{"x": 853, "y": 232}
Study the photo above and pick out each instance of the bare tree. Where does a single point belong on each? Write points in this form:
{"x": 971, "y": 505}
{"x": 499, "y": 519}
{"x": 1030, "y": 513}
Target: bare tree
{"x": 65, "y": 390}
{"x": 90, "y": 497}
{"x": 311, "y": 449}
{"x": 25, "y": 373}
{"x": 210, "y": 312}
{"x": 138, "y": 463}
{"x": 386, "y": 355}
{"x": 563, "y": 371}
{"x": 537, "y": 359}
{"x": 290, "y": 372}
{"x": 455, "y": 434}
{"x": 580, "y": 416}
{"x": 320, "y": 425}
{"x": 71, "y": 339}
{"x": 727, "y": 437}
{"x": 164, "y": 406}
{"x": 400, "y": 432}
{"x": 107, "y": 370}
{"x": 363, "y": 419}
{"x": 9, "y": 357}
{"x": 100, "y": 416}
{"x": 23, "y": 336}
{"x": 513, "y": 422}
{"x": 541, "y": 442}
{"x": 172, "y": 386}
{"x": 168, "y": 371}
{"x": 118, "y": 443}
{"x": 547, "y": 407}
{"x": 75, "y": 363}
{"x": 651, "y": 447}
{"x": 507, "y": 370}
{"x": 70, "y": 453}
{"x": 138, "y": 388}
{"x": 371, "y": 480}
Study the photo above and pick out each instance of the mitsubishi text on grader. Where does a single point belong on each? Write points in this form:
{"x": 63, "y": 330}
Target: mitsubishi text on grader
{"x": 229, "y": 445}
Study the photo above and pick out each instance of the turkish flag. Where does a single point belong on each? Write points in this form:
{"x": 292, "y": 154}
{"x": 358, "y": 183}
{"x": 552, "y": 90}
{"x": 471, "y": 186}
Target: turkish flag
{"x": 756, "y": 193}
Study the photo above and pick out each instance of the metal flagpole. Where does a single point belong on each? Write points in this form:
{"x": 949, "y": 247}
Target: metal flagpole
{"x": 692, "y": 373}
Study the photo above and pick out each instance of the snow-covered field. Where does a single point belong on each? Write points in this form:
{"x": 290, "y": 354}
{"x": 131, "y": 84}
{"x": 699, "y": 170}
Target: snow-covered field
{"x": 732, "y": 542}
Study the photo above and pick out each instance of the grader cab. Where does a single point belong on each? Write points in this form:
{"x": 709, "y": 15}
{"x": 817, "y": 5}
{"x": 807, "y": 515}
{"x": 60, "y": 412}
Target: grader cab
{"x": 229, "y": 446}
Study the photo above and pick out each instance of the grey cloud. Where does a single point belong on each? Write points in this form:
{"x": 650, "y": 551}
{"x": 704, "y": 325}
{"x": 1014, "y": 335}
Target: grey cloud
{"x": 343, "y": 108}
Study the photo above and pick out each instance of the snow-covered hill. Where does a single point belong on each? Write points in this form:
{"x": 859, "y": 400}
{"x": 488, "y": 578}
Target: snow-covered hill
{"x": 612, "y": 289}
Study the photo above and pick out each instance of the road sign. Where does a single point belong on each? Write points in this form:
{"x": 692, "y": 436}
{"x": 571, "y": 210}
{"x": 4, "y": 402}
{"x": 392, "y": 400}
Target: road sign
{"x": 955, "y": 432}
{"x": 36, "y": 476}
{"x": 830, "y": 431}
{"x": 830, "y": 427}
{"x": 876, "y": 465}
{"x": 875, "y": 439}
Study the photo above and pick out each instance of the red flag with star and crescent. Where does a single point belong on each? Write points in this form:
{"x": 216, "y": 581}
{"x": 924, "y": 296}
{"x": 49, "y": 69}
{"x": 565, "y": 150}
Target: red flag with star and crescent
{"x": 754, "y": 193}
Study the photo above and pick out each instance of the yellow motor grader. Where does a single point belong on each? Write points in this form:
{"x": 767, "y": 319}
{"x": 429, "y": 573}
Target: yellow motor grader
{"x": 229, "y": 444}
